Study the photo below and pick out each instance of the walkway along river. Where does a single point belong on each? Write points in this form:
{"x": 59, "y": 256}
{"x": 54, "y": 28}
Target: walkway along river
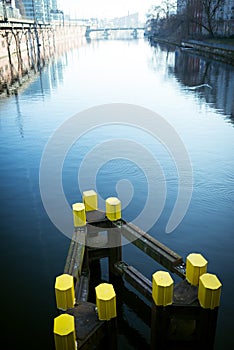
{"x": 194, "y": 95}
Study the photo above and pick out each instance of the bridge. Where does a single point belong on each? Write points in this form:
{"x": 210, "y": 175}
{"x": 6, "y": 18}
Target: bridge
{"x": 108, "y": 29}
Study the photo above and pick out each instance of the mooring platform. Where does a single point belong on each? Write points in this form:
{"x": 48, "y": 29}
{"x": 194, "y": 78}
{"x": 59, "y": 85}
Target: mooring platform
{"x": 178, "y": 313}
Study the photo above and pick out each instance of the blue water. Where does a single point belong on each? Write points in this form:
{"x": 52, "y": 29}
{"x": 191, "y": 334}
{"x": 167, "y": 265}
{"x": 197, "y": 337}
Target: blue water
{"x": 122, "y": 158}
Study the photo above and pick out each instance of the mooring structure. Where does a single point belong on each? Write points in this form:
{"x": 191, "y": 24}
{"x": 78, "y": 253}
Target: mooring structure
{"x": 183, "y": 315}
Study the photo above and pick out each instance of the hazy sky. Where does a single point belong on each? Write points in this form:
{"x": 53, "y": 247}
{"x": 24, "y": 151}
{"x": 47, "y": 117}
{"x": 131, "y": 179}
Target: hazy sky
{"x": 104, "y": 8}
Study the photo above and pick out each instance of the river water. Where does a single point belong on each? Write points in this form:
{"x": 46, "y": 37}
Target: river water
{"x": 194, "y": 95}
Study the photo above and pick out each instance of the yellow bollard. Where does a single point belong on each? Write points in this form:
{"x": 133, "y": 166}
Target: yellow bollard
{"x": 90, "y": 200}
{"x": 79, "y": 214}
{"x": 196, "y": 265}
{"x": 113, "y": 208}
{"x": 162, "y": 288}
{"x": 105, "y": 301}
{"x": 64, "y": 292}
{"x": 209, "y": 291}
{"x": 64, "y": 332}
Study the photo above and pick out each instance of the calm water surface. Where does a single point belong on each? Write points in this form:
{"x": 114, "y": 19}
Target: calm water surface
{"x": 33, "y": 250}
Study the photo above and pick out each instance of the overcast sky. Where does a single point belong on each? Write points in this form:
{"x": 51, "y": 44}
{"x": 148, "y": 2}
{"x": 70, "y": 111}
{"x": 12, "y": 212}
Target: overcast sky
{"x": 104, "y": 8}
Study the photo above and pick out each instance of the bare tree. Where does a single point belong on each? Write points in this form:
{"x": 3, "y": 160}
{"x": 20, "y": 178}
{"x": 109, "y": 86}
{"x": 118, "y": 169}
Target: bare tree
{"x": 165, "y": 19}
{"x": 153, "y": 12}
{"x": 168, "y": 7}
{"x": 193, "y": 18}
{"x": 210, "y": 9}
{"x": 202, "y": 14}
{"x": 164, "y": 10}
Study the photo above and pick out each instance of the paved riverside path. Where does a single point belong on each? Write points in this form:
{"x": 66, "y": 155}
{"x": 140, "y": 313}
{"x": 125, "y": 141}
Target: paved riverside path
{"x": 215, "y": 45}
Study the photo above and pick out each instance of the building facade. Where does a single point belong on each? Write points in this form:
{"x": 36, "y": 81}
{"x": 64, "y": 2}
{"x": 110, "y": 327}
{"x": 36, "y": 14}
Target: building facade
{"x": 9, "y": 10}
{"x": 226, "y": 11}
{"x": 222, "y": 22}
{"x": 39, "y": 10}
{"x": 225, "y": 18}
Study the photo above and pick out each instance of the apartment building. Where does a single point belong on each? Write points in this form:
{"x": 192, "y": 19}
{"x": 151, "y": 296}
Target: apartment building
{"x": 223, "y": 21}
{"x": 39, "y": 10}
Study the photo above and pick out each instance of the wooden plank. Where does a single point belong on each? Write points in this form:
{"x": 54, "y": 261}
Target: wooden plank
{"x": 154, "y": 241}
{"x": 155, "y": 249}
{"x": 135, "y": 278}
{"x": 89, "y": 330}
{"x": 73, "y": 265}
{"x": 82, "y": 288}
{"x": 184, "y": 293}
{"x": 95, "y": 216}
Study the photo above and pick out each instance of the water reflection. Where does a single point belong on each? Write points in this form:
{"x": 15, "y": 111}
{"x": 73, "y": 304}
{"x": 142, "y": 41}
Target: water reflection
{"x": 19, "y": 117}
{"x": 209, "y": 80}
{"x": 95, "y": 74}
{"x": 194, "y": 71}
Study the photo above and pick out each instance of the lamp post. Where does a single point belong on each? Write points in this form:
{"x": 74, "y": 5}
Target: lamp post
{"x": 61, "y": 13}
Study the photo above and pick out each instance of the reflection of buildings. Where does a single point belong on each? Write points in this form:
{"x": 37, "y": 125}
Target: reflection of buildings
{"x": 49, "y": 79}
{"x": 193, "y": 71}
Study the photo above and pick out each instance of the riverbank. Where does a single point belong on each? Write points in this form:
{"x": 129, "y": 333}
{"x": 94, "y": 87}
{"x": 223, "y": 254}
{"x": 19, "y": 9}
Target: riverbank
{"x": 27, "y": 49}
{"x": 220, "y": 50}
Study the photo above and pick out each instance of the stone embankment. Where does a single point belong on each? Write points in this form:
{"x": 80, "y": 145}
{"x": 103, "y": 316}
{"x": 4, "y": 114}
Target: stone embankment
{"x": 221, "y": 52}
{"x": 217, "y": 51}
{"x": 27, "y": 48}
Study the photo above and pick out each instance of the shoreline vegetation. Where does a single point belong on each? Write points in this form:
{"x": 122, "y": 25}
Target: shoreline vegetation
{"x": 204, "y": 26}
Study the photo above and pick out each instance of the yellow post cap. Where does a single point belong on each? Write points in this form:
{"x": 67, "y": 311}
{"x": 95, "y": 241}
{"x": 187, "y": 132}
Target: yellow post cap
{"x": 79, "y": 214}
{"x": 196, "y": 265}
{"x": 64, "y": 332}
{"x": 64, "y": 324}
{"x": 64, "y": 292}
{"x": 162, "y": 288}
{"x": 209, "y": 291}
{"x": 90, "y": 200}
{"x": 106, "y": 301}
{"x": 113, "y": 208}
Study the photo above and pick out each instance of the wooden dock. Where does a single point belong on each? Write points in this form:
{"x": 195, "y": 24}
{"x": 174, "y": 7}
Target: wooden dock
{"x": 179, "y": 325}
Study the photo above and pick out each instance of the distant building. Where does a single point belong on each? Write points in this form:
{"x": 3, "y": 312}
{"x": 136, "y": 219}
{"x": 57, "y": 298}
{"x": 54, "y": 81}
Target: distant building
{"x": 129, "y": 21}
{"x": 225, "y": 18}
{"x": 39, "y": 10}
{"x": 226, "y": 12}
{"x": 10, "y": 9}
